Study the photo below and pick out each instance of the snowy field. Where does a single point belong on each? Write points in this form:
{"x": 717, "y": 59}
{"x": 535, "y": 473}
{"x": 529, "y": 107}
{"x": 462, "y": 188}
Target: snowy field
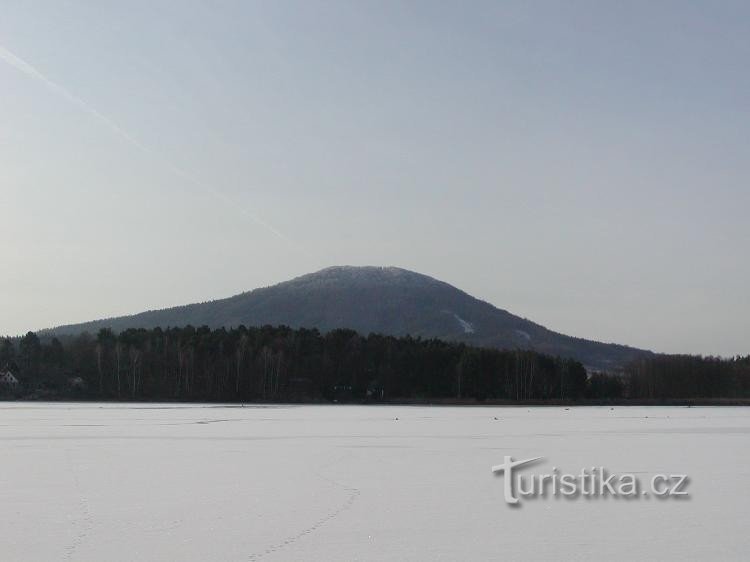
{"x": 105, "y": 482}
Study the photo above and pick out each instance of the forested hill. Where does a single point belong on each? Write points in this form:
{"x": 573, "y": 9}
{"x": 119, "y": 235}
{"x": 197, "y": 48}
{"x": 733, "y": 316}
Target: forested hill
{"x": 385, "y": 300}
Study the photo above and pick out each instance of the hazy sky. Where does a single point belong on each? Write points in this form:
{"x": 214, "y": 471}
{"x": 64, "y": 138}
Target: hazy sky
{"x": 583, "y": 164}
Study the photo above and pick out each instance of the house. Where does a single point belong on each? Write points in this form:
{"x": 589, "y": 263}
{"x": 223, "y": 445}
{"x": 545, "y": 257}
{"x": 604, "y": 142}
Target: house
{"x": 342, "y": 393}
{"x": 76, "y": 383}
{"x": 8, "y": 380}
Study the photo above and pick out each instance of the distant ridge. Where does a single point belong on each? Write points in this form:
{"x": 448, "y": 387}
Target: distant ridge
{"x": 387, "y": 300}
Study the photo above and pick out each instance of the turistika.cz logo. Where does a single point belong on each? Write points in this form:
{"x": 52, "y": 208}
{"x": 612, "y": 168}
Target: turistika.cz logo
{"x": 594, "y": 482}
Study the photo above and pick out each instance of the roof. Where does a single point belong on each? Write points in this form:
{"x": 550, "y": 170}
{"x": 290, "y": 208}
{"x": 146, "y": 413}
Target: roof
{"x": 8, "y": 378}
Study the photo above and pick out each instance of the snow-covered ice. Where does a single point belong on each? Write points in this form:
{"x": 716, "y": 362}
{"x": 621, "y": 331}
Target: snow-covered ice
{"x": 112, "y": 482}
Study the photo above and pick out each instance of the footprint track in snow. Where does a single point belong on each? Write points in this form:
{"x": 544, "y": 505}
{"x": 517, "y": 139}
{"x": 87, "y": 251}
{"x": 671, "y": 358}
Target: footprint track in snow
{"x": 86, "y": 521}
{"x": 352, "y": 492}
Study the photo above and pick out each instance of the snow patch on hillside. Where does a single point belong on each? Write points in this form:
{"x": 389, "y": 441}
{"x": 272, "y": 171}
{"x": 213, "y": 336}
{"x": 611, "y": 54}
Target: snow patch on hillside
{"x": 524, "y": 335}
{"x": 467, "y": 326}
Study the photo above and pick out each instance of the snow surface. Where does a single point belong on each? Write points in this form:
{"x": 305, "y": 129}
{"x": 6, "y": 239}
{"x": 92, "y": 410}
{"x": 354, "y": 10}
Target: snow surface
{"x": 113, "y": 482}
{"x": 467, "y": 326}
{"x": 525, "y": 335}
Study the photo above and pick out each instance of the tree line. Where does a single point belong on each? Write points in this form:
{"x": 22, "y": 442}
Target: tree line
{"x": 688, "y": 376}
{"x": 280, "y": 363}
{"x": 285, "y": 364}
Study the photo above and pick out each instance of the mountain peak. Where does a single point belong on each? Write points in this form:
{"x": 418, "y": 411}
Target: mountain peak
{"x": 364, "y": 275}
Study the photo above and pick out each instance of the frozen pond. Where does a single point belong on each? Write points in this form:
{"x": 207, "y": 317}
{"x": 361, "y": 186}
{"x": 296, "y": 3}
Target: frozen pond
{"x": 111, "y": 482}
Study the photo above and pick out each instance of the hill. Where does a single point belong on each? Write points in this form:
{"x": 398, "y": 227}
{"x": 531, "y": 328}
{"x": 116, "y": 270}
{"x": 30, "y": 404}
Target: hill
{"x": 386, "y": 300}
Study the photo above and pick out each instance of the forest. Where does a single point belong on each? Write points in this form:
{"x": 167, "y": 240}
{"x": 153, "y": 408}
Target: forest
{"x": 284, "y": 364}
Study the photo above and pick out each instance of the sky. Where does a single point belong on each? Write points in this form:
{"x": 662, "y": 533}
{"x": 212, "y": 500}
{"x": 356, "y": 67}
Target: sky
{"x": 585, "y": 165}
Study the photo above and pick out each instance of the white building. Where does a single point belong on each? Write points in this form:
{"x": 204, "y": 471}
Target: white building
{"x": 8, "y": 380}
{"x": 76, "y": 383}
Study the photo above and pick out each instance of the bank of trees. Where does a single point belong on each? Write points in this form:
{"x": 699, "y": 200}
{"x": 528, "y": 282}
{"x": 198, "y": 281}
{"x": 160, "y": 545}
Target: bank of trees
{"x": 687, "y": 376}
{"x": 674, "y": 377}
{"x": 280, "y": 363}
